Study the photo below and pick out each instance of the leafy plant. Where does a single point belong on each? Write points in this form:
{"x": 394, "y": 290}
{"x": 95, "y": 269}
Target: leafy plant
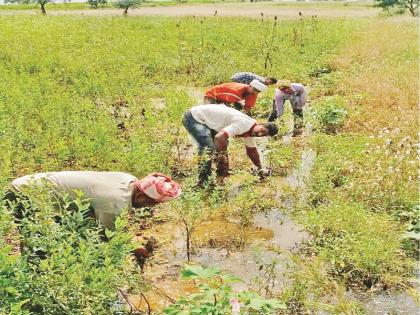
{"x": 215, "y": 295}
{"x": 330, "y": 113}
{"x": 64, "y": 266}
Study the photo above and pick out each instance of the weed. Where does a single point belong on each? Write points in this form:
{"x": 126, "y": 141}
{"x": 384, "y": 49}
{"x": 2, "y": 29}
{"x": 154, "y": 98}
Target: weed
{"x": 216, "y": 295}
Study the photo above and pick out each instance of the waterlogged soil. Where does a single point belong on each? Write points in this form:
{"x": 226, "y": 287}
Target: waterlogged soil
{"x": 225, "y": 244}
{"x": 247, "y": 252}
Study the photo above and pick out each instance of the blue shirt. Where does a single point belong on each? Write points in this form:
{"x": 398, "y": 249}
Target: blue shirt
{"x": 246, "y": 77}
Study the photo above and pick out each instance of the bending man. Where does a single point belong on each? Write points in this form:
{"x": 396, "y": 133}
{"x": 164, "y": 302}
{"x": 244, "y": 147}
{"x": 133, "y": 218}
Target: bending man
{"x": 234, "y": 93}
{"x": 109, "y": 192}
{"x": 212, "y": 126}
{"x": 248, "y": 77}
{"x": 297, "y": 95}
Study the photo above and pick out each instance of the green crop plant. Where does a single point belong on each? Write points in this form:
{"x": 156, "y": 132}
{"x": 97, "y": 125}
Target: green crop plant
{"x": 215, "y": 295}
{"x": 329, "y": 114}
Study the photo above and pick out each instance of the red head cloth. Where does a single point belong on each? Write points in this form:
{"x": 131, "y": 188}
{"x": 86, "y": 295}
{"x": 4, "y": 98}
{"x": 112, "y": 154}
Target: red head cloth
{"x": 159, "y": 187}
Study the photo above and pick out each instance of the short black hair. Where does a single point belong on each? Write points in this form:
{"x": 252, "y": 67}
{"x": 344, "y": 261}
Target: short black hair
{"x": 272, "y": 128}
{"x": 274, "y": 80}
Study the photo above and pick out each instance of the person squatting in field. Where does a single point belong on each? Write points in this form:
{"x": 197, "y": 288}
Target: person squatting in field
{"x": 297, "y": 95}
{"x": 211, "y": 127}
{"x": 248, "y": 77}
{"x": 109, "y": 192}
{"x": 233, "y": 93}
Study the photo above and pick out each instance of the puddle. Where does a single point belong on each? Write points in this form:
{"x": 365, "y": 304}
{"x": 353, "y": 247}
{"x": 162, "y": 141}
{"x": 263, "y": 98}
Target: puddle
{"x": 391, "y": 304}
{"x": 387, "y": 303}
{"x": 297, "y": 178}
{"x": 287, "y": 235}
{"x": 269, "y": 239}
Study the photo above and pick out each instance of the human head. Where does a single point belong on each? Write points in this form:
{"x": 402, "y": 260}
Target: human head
{"x": 285, "y": 86}
{"x": 270, "y": 81}
{"x": 263, "y": 130}
{"x": 256, "y": 87}
{"x": 153, "y": 189}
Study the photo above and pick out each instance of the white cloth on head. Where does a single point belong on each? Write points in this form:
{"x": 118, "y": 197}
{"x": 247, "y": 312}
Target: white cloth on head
{"x": 258, "y": 85}
{"x": 222, "y": 118}
{"x": 159, "y": 187}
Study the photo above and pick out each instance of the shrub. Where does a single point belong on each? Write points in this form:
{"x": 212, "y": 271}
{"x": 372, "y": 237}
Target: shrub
{"x": 329, "y": 114}
{"x": 361, "y": 246}
{"x": 96, "y": 3}
{"x": 64, "y": 266}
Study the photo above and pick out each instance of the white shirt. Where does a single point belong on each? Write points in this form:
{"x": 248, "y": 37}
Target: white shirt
{"x": 219, "y": 117}
{"x": 110, "y": 192}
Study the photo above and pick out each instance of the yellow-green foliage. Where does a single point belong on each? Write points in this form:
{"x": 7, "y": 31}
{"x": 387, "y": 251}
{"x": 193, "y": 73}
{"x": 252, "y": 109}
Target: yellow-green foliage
{"x": 361, "y": 246}
{"x": 66, "y": 79}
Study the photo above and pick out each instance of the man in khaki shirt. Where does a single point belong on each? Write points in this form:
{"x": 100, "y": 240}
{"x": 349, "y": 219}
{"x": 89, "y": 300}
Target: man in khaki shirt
{"x": 109, "y": 192}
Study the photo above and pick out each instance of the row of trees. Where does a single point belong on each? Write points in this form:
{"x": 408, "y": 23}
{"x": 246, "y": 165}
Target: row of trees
{"x": 410, "y": 5}
{"x": 123, "y": 4}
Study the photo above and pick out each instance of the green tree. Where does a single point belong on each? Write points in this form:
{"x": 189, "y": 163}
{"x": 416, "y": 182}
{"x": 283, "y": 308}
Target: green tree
{"x": 42, "y": 3}
{"x": 411, "y": 5}
{"x": 126, "y": 4}
{"x": 96, "y": 3}
{"x": 386, "y": 4}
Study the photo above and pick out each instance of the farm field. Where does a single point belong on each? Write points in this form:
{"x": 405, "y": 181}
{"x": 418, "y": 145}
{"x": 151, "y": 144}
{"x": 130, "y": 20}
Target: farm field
{"x": 333, "y": 230}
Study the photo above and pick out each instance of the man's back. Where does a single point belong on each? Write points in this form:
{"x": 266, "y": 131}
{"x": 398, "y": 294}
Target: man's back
{"x": 219, "y": 117}
{"x": 109, "y": 191}
{"x": 246, "y": 77}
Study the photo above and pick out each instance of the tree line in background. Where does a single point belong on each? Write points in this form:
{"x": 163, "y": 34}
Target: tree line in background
{"x": 411, "y": 5}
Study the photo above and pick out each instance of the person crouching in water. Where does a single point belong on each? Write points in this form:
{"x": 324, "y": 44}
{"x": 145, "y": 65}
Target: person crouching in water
{"x": 211, "y": 127}
{"x": 297, "y": 95}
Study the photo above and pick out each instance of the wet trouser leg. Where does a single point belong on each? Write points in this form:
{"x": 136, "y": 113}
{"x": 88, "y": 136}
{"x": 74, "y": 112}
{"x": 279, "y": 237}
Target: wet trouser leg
{"x": 298, "y": 118}
{"x": 273, "y": 114}
{"x": 204, "y": 138}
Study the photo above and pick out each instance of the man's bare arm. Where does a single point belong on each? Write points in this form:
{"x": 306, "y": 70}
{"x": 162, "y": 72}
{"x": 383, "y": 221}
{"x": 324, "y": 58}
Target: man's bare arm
{"x": 254, "y": 156}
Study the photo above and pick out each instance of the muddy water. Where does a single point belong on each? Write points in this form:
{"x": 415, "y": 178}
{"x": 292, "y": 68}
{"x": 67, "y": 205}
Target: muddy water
{"x": 395, "y": 303}
{"x": 225, "y": 244}
{"x": 247, "y": 252}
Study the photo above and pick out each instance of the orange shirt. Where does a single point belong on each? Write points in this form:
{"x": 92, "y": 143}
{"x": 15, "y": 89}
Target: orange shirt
{"x": 231, "y": 93}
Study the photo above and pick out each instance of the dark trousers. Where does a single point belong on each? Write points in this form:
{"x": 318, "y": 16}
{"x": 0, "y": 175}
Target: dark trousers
{"x": 204, "y": 138}
{"x": 297, "y": 116}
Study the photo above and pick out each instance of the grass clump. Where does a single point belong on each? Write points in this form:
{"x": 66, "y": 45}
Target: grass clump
{"x": 361, "y": 246}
